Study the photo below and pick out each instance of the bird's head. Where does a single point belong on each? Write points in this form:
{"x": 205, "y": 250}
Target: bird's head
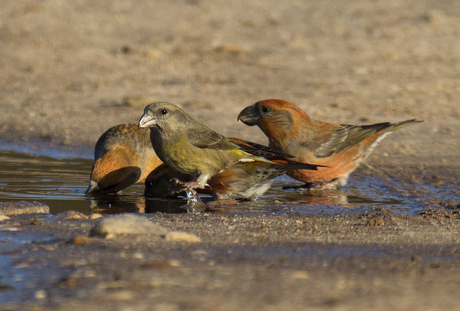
{"x": 162, "y": 115}
{"x": 270, "y": 113}
{"x": 278, "y": 119}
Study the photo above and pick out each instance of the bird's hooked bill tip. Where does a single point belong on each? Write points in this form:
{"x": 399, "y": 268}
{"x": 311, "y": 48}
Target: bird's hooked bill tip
{"x": 147, "y": 121}
{"x": 248, "y": 116}
{"x": 248, "y": 120}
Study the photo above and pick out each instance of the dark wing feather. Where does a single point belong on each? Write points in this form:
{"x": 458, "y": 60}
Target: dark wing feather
{"x": 289, "y": 165}
{"x": 259, "y": 150}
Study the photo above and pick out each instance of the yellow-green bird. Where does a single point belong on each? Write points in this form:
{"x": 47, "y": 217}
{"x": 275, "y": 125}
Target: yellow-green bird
{"x": 192, "y": 148}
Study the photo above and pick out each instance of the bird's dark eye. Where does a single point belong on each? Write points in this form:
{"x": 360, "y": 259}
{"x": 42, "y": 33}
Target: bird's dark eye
{"x": 164, "y": 111}
{"x": 265, "y": 109}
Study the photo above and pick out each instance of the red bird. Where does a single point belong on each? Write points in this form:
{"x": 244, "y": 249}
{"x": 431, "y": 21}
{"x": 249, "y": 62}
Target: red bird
{"x": 340, "y": 147}
{"x": 247, "y": 180}
{"x": 123, "y": 156}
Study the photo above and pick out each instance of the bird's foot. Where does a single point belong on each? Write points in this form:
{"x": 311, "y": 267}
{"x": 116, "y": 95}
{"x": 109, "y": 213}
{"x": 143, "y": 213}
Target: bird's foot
{"x": 188, "y": 185}
{"x": 331, "y": 185}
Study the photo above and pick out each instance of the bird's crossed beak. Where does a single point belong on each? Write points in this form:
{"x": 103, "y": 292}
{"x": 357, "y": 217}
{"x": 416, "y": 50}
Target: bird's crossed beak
{"x": 249, "y": 116}
{"x": 147, "y": 121}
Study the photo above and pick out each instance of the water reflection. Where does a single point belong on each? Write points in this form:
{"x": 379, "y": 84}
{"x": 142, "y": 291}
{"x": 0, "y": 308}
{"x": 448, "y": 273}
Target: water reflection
{"x": 61, "y": 184}
{"x": 328, "y": 197}
{"x": 115, "y": 204}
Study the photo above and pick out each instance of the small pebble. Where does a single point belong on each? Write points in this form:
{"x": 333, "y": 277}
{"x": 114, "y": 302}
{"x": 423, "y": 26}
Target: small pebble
{"x": 76, "y": 215}
{"x": 126, "y": 224}
{"x": 174, "y": 262}
{"x": 300, "y": 275}
{"x": 40, "y": 294}
{"x": 9, "y": 229}
{"x": 121, "y": 295}
{"x": 95, "y": 216}
{"x": 182, "y": 236}
{"x": 79, "y": 240}
{"x": 376, "y": 221}
{"x": 70, "y": 215}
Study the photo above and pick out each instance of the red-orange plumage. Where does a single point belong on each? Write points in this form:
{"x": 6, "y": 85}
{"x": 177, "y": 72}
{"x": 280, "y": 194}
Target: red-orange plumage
{"x": 123, "y": 156}
{"x": 342, "y": 148}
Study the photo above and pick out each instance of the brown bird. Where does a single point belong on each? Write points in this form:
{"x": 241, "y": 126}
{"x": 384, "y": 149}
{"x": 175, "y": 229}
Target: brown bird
{"x": 191, "y": 148}
{"x": 123, "y": 156}
{"x": 340, "y": 147}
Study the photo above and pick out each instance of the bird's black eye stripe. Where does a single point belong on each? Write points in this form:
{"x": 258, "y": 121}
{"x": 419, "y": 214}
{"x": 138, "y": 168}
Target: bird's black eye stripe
{"x": 164, "y": 111}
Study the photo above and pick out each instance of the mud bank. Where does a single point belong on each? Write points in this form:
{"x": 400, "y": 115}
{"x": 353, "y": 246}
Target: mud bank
{"x": 250, "y": 262}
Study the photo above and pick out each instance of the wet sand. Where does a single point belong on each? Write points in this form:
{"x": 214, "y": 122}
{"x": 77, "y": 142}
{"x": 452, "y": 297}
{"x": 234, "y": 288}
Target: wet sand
{"x": 72, "y": 70}
{"x": 286, "y": 261}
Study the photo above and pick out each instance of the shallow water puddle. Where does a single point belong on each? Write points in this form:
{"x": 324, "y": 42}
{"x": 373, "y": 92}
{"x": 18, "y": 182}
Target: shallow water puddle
{"x": 14, "y": 275}
{"x": 57, "y": 183}
{"x": 61, "y": 184}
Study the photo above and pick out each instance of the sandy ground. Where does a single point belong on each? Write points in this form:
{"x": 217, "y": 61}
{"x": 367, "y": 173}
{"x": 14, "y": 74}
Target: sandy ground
{"x": 72, "y": 69}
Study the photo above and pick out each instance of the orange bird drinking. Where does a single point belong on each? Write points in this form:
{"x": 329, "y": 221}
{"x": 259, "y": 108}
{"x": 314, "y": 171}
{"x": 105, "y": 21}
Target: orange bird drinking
{"x": 123, "y": 156}
{"x": 340, "y": 147}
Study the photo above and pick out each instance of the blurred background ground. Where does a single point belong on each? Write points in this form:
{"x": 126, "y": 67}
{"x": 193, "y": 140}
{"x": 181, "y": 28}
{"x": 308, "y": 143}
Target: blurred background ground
{"x": 72, "y": 69}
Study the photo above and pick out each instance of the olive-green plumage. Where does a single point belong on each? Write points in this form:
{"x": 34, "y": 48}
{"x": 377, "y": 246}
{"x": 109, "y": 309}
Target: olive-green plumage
{"x": 191, "y": 147}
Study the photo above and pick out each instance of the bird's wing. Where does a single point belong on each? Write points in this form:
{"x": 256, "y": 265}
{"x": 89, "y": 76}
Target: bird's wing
{"x": 204, "y": 137}
{"x": 344, "y": 137}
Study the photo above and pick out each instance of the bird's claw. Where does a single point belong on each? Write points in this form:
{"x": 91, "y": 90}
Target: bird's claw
{"x": 187, "y": 185}
{"x": 177, "y": 181}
